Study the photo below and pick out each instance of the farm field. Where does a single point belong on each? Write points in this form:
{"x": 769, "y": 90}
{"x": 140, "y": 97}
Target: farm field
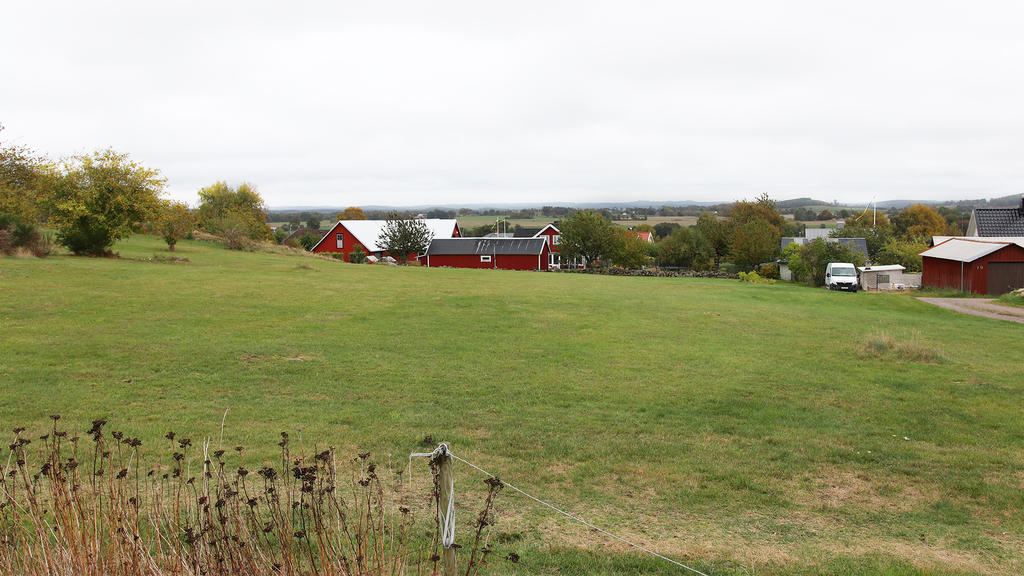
{"x": 654, "y": 220}
{"x": 739, "y": 428}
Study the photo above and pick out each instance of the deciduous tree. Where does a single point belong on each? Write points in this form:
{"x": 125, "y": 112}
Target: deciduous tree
{"x": 919, "y": 222}
{"x": 98, "y": 198}
{"x": 586, "y": 235}
{"x": 629, "y": 251}
{"x": 174, "y": 221}
{"x": 403, "y": 237}
{"x": 24, "y": 179}
{"x": 233, "y": 211}
{"x": 352, "y": 213}
{"x": 717, "y": 234}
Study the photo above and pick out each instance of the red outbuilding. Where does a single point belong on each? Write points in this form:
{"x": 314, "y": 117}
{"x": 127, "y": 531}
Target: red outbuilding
{"x": 500, "y": 253}
{"x": 343, "y": 236}
{"x": 974, "y": 265}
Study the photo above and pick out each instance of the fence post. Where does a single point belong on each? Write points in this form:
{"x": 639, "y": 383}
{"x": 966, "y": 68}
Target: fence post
{"x": 446, "y": 507}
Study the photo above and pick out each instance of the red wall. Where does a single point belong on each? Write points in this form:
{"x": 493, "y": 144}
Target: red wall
{"x": 329, "y": 245}
{"x": 500, "y": 261}
{"x": 940, "y": 273}
{"x": 550, "y": 234}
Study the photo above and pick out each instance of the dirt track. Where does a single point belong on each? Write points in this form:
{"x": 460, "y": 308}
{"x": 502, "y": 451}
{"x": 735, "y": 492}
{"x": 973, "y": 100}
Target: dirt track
{"x": 979, "y": 307}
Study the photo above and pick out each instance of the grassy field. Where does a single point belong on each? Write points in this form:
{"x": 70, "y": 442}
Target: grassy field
{"x": 742, "y": 429}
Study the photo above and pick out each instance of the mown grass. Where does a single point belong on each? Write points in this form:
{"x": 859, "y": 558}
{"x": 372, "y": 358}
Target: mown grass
{"x": 741, "y": 428}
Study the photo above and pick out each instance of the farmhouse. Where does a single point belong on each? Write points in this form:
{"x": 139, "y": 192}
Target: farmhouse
{"x": 997, "y": 222}
{"x": 343, "y": 236}
{"x": 980, "y": 266}
{"x": 500, "y": 253}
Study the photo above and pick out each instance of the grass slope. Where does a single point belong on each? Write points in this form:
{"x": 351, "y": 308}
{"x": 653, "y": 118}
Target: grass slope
{"x": 740, "y": 428}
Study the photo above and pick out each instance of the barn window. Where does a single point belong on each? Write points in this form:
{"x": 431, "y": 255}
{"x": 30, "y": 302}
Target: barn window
{"x": 556, "y": 239}
{"x": 485, "y": 258}
{"x": 341, "y": 240}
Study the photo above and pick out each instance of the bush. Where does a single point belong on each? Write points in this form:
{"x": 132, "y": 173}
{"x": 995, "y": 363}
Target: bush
{"x": 307, "y": 241}
{"x": 769, "y": 271}
{"x": 20, "y": 235}
{"x": 357, "y": 255}
{"x": 236, "y": 239}
{"x": 755, "y": 278}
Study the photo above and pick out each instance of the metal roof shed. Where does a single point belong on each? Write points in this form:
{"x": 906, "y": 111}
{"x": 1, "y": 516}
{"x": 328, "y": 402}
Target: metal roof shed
{"x": 976, "y": 266}
{"x": 888, "y": 277}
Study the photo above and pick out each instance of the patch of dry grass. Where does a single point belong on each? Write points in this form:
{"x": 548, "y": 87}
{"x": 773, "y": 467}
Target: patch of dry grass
{"x": 912, "y": 348}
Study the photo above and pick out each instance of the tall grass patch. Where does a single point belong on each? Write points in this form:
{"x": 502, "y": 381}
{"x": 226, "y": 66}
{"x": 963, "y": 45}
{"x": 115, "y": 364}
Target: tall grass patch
{"x": 909, "y": 348}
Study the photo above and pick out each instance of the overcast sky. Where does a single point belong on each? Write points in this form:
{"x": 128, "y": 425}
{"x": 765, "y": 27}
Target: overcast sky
{"x": 439, "y": 102}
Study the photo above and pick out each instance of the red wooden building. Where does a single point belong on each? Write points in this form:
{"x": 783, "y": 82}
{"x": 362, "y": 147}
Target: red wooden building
{"x": 500, "y": 253}
{"x": 974, "y": 265}
{"x": 343, "y": 236}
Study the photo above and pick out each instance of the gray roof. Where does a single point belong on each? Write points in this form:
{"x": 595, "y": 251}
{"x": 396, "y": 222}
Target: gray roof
{"x": 526, "y": 232}
{"x": 999, "y": 221}
{"x": 531, "y": 246}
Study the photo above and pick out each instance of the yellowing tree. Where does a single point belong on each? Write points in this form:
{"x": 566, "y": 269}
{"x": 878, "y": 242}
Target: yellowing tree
{"x": 233, "y": 211}
{"x": 24, "y": 178}
{"x": 352, "y": 213}
{"x": 919, "y": 222}
{"x": 173, "y": 222}
{"x": 99, "y": 197}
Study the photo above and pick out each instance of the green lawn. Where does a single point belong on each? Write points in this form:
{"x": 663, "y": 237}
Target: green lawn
{"x": 738, "y": 428}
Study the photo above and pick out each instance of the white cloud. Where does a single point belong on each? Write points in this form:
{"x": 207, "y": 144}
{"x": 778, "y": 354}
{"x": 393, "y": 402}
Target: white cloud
{"x": 448, "y": 102}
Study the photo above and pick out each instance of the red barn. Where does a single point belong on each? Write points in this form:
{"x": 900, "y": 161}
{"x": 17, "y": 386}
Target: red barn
{"x": 500, "y": 253}
{"x": 974, "y": 265}
{"x": 343, "y": 236}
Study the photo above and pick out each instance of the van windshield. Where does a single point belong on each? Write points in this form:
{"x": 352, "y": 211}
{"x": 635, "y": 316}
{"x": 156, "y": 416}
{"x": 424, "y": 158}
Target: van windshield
{"x": 843, "y": 272}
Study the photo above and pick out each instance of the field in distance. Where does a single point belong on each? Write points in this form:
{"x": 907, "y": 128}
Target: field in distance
{"x": 741, "y": 429}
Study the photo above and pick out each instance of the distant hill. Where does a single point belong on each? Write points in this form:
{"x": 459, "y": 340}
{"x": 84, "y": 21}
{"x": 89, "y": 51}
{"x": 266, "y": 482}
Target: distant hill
{"x": 508, "y": 206}
{"x": 783, "y": 205}
{"x": 790, "y": 205}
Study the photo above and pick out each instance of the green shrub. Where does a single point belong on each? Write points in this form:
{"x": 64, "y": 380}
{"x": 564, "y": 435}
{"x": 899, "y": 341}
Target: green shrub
{"x": 20, "y": 235}
{"x": 1015, "y": 298}
{"x": 769, "y": 271}
{"x": 357, "y": 255}
{"x": 308, "y": 241}
{"x": 755, "y": 278}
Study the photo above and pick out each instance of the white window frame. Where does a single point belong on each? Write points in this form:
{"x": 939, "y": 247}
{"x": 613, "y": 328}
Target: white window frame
{"x": 485, "y": 258}
{"x": 556, "y": 239}
{"x": 340, "y": 237}
{"x": 554, "y": 260}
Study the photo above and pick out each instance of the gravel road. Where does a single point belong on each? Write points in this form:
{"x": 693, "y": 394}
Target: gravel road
{"x": 986, "y": 307}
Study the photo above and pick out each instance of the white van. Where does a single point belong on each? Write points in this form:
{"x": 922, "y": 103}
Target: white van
{"x": 841, "y": 276}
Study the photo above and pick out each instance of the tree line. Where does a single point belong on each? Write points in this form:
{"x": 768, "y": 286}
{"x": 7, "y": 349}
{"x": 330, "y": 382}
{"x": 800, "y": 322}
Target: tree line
{"x": 749, "y": 239}
{"x": 93, "y": 200}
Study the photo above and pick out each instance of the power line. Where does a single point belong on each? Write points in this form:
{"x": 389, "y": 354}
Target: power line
{"x": 576, "y": 518}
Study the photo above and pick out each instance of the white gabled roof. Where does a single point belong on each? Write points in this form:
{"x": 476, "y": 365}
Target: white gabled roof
{"x": 367, "y": 232}
{"x": 963, "y": 250}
